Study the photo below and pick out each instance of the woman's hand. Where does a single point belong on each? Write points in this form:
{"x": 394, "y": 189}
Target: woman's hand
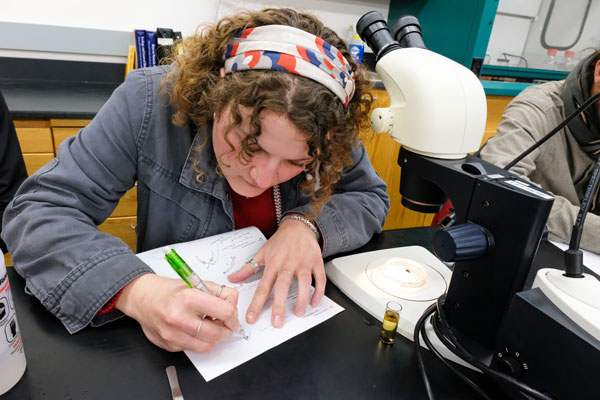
{"x": 171, "y": 313}
{"x": 292, "y": 252}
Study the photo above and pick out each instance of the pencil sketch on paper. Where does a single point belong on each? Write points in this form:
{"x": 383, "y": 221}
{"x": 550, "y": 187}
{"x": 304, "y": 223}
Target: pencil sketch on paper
{"x": 209, "y": 262}
{"x": 229, "y": 252}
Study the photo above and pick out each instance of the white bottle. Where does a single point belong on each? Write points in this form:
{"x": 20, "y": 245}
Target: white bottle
{"x": 12, "y": 354}
{"x": 550, "y": 61}
{"x": 570, "y": 61}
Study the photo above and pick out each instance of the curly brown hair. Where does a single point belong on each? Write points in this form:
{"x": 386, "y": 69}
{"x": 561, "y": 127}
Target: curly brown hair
{"x": 197, "y": 91}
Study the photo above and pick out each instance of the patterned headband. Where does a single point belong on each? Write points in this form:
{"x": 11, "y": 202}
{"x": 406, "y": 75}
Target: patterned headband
{"x": 284, "y": 48}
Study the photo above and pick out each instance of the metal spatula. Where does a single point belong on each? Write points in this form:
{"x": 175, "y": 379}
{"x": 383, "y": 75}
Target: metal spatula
{"x": 174, "y": 383}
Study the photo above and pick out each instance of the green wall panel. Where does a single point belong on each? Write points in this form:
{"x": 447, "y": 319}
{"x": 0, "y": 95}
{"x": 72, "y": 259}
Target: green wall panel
{"x": 458, "y": 29}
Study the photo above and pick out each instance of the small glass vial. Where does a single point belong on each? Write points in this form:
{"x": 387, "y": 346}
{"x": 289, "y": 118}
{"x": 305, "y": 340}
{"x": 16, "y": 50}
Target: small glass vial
{"x": 390, "y": 322}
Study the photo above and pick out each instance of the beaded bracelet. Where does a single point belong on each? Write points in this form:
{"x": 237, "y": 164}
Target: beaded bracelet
{"x": 305, "y": 221}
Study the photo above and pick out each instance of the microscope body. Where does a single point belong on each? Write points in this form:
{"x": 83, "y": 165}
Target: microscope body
{"x": 437, "y": 113}
{"x": 503, "y": 217}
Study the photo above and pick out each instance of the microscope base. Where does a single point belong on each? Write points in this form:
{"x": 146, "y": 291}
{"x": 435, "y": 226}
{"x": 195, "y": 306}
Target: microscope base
{"x": 349, "y": 274}
{"x": 579, "y": 298}
{"x": 543, "y": 347}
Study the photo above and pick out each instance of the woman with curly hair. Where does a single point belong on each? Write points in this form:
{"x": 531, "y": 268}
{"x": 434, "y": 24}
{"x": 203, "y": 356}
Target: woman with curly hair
{"x": 256, "y": 123}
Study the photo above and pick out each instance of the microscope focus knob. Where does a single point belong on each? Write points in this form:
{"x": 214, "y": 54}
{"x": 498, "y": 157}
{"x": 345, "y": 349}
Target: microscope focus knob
{"x": 509, "y": 364}
{"x": 382, "y": 120}
{"x": 462, "y": 242}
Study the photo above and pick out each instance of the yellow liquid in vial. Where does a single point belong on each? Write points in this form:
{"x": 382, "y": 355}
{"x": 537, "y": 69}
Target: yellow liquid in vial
{"x": 389, "y": 326}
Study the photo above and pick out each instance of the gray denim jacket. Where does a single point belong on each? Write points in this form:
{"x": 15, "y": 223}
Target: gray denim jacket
{"x": 74, "y": 269}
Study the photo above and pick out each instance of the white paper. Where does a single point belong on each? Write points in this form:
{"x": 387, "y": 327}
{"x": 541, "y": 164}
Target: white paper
{"x": 214, "y": 258}
{"x": 590, "y": 260}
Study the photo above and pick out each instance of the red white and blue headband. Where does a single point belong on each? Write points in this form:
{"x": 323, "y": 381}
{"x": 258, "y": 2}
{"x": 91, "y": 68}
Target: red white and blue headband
{"x": 284, "y": 48}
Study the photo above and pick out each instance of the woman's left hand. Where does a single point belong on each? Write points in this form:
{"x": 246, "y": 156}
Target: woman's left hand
{"x": 292, "y": 252}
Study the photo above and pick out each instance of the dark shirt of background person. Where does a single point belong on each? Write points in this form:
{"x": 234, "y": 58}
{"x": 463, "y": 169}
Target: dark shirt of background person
{"x": 12, "y": 166}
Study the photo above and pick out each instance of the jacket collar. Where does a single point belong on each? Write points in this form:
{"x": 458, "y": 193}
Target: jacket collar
{"x": 209, "y": 182}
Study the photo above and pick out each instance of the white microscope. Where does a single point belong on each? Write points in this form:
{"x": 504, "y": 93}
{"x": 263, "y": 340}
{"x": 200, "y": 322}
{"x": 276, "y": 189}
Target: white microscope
{"x": 438, "y": 113}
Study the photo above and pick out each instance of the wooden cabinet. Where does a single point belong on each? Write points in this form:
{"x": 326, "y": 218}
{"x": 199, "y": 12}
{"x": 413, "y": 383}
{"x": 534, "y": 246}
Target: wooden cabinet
{"x": 40, "y": 139}
{"x": 37, "y": 146}
{"x": 121, "y": 227}
{"x": 383, "y": 152}
{"x": 495, "y": 109}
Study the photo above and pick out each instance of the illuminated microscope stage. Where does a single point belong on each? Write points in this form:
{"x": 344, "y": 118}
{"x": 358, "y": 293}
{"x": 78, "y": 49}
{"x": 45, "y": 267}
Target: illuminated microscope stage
{"x": 411, "y": 276}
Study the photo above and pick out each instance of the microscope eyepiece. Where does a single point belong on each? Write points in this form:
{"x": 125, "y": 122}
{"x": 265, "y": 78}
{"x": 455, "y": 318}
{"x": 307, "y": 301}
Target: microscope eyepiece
{"x": 407, "y": 31}
{"x": 372, "y": 29}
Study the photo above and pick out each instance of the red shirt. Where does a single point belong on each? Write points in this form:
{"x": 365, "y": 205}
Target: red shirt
{"x": 255, "y": 211}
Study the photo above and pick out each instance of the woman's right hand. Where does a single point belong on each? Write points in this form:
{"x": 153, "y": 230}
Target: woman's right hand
{"x": 170, "y": 312}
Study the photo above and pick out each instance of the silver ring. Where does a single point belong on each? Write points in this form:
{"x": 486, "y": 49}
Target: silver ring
{"x": 219, "y": 291}
{"x": 254, "y": 264}
{"x": 198, "y": 329}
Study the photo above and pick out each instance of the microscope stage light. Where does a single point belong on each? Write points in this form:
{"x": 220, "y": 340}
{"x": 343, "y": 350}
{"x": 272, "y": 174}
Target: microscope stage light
{"x": 410, "y": 275}
{"x": 372, "y": 279}
{"x": 406, "y": 279}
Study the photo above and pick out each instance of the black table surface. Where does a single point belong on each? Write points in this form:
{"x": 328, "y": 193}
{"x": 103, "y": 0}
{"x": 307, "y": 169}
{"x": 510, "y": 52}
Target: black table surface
{"x": 342, "y": 358}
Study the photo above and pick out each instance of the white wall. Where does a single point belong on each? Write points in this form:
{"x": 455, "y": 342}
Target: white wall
{"x": 563, "y": 28}
{"x": 118, "y": 15}
{"x": 518, "y": 27}
{"x": 182, "y": 15}
{"x": 510, "y": 31}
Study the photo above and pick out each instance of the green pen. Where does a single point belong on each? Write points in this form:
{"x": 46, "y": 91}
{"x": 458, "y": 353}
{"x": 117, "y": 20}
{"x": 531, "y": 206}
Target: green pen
{"x": 189, "y": 276}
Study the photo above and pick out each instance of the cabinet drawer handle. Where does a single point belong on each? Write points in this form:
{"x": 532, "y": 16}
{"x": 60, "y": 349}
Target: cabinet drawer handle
{"x": 133, "y": 226}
